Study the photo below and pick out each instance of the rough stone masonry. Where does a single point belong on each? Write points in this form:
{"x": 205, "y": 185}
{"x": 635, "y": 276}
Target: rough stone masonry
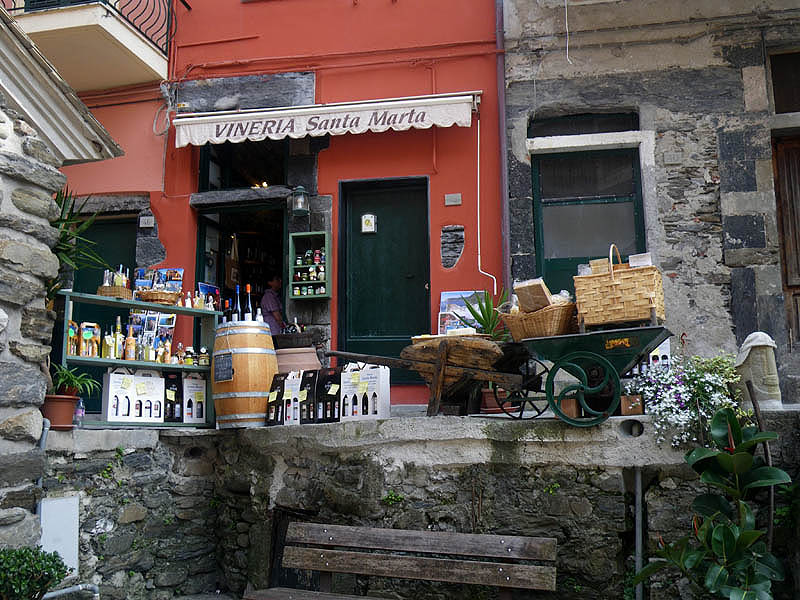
{"x": 28, "y": 179}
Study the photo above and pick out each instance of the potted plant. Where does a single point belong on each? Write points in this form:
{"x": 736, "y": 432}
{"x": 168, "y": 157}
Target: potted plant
{"x": 486, "y": 315}
{"x": 68, "y": 384}
{"x": 28, "y": 573}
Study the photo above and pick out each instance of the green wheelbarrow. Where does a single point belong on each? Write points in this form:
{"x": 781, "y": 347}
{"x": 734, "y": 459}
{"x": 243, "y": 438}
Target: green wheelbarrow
{"x": 584, "y": 369}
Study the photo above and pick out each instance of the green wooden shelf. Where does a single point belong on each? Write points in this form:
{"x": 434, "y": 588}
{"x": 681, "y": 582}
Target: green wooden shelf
{"x": 134, "y": 364}
{"x": 298, "y": 244}
{"x": 150, "y": 306}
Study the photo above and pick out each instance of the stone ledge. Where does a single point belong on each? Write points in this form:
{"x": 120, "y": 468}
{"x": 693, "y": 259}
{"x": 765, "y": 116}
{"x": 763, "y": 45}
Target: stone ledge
{"x": 97, "y": 440}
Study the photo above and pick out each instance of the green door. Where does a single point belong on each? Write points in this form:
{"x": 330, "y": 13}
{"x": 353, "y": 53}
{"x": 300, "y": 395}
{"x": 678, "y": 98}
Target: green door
{"x": 384, "y": 274}
{"x": 116, "y": 243}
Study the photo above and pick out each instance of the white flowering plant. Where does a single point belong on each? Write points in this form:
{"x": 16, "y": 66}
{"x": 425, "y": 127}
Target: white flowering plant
{"x": 684, "y": 397}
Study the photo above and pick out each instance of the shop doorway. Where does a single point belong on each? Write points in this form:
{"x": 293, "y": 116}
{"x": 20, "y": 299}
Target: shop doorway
{"x": 241, "y": 245}
{"x": 384, "y": 267}
{"x": 787, "y": 176}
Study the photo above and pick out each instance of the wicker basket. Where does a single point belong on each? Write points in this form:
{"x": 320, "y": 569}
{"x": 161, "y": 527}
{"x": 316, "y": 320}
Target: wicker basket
{"x": 622, "y": 295}
{"x": 558, "y": 319}
{"x": 115, "y": 291}
{"x": 159, "y": 297}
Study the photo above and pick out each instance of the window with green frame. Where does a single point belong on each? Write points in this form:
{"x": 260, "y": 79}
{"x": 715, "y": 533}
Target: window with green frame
{"x": 582, "y": 203}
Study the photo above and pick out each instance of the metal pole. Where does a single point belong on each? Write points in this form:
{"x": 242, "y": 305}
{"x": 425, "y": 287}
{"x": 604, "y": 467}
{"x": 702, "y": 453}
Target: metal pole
{"x": 639, "y": 528}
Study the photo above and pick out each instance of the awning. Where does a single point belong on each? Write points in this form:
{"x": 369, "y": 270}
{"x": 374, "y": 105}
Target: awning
{"x": 399, "y": 114}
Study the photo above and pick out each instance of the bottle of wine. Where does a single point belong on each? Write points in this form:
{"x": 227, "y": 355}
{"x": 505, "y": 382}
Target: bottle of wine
{"x": 237, "y": 307}
{"x": 189, "y": 408}
{"x": 248, "y": 307}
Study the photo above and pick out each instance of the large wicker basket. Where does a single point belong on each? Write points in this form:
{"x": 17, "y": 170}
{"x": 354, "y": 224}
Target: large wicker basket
{"x": 557, "y": 319}
{"x": 622, "y": 295}
{"x": 159, "y": 297}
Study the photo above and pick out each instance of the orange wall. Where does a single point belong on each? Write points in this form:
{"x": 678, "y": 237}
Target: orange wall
{"x": 141, "y": 168}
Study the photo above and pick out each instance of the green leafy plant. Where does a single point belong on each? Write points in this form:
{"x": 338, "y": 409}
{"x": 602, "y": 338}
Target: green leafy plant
{"x": 725, "y": 553}
{"x": 71, "y": 382}
{"x": 486, "y": 314}
{"x": 392, "y": 498}
{"x": 73, "y": 249}
{"x": 28, "y": 573}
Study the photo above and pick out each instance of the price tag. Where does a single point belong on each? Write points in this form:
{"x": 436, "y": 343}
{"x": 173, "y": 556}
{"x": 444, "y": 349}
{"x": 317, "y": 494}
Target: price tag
{"x": 287, "y": 394}
{"x": 355, "y": 376}
{"x": 170, "y": 395}
{"x": 126, "y": 383}
{"x": 273, "y": 396}
{"x": 362, "y": 387}
{"x": 303, "y": 396}
{"x": 199, "y": 396}
{"x": 141, "y": 389}
{"x": 333, "y": 389}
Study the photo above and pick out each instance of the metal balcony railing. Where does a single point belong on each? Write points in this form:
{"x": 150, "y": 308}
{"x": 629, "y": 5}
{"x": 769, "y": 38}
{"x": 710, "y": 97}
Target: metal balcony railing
{"x": 154, "y": 19}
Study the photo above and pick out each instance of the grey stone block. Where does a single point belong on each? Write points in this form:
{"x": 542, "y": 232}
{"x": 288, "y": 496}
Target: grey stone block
{"x": 17, "y": 288}
{"x": 737, "y": 175}
{"x": 23, "y": 168}
{"x": 149, "y": 251}
{"x": 29, "y": 258}
{"x": 41, "y": 230}
{"x": 452, "y": 245}
{"x": 23, "y": 532}
{"x": 523, "y": 266}
{"x": 21, "y": 467}
{"x": 23, "y": 427}
{"x": 34, "y": 202}
{"x": 38, "y": 150}
{"x": 250, "y": 91}
{"x": 743, "y": 56}
{"x": 37, "y": 324}
{"x": 744, "y": 231}
{"x": 744, "y": 310}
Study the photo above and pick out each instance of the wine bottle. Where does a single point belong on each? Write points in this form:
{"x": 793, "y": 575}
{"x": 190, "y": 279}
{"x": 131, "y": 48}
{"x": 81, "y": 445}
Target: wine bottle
{"x": 189, "y": 408}
{"x": 237, "y": 307}
{"x": 138, "y": 408}
{"x": 248, "y": 307}
{"x": 364, "y": 405}
{"x": 374, "y": 402}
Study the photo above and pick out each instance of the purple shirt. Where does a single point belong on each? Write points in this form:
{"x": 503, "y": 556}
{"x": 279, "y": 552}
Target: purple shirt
{"x": 271, "y": 302}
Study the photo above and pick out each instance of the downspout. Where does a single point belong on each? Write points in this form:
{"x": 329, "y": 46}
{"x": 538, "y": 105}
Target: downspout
{"x": 43, "y": 444}
{"x": 480, "y": 266}
{"x": 82, "y": 587}
{"x": 505, "y": 221}
{"x": 639, "y": 532}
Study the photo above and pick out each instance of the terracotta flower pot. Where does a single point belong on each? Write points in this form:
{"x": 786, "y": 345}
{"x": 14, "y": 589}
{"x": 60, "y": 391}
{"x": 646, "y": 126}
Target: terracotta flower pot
{"x": 631, "y": 405}
{"x": 489, "y": 403}
{"x": 59, "y": 409}
{"x": 571, "y": 408}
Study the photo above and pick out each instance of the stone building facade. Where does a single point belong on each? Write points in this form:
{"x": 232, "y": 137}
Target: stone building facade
{"x": 697, "y": 78}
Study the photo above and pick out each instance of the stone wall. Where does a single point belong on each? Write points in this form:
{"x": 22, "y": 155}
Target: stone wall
{"x": 697, "y": 77}
{"x": 172, "y": 512}
{"x": 28, "y": 177}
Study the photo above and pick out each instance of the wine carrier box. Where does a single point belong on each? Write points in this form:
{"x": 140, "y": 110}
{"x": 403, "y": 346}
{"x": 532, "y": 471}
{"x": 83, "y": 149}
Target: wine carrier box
{"x": 119, "y": 395}
{"x": 194, "y": 390}
{"x": 329, "y": 382}
{"x": 275, "y": 403}
{"x": 291, "y": 398}
{"x": 150, "y": 392}
{"x": 308, "y": 397}
{"x": 359, "y": 380}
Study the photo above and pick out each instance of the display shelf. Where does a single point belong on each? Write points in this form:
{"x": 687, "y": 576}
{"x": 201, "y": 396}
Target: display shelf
{"x": 132, "y": 425}
{"x": 299, "y": 244}
{"x": 208, "y": 322}
{"x": 134, "y": 364}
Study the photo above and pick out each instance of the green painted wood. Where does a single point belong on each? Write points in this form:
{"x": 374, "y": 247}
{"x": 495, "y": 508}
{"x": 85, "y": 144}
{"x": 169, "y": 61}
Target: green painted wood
{"x": 385, "y": 276}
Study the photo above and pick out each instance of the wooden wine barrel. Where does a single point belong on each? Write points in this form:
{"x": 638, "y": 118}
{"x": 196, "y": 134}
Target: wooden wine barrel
{"x": 243, "y": 366}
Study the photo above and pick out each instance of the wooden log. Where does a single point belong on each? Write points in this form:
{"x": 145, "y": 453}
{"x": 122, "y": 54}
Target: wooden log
{"x": 438, "y": 379}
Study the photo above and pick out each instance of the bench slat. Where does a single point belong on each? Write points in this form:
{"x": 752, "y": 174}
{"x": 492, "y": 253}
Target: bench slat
{"x": 412, "y": 567}
{"x": 290, "y": 594}
{"x": 431, "y": 542}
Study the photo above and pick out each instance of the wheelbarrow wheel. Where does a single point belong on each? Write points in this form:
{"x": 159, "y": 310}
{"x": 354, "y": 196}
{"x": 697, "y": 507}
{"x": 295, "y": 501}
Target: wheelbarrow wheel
{"x": 530, "y": 401}
{"x": 590, "y": 392}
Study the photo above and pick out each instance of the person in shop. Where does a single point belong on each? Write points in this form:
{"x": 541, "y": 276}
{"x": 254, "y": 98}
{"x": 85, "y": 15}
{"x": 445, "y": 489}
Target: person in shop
{"x": 271, "y": 307}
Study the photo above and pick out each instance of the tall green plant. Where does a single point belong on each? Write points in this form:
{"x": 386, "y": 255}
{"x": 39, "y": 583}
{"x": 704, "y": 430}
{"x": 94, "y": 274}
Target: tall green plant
{"x": 486, "y": 314}
{"x": 73, "y": 249}
{"x": 724, "y": 553}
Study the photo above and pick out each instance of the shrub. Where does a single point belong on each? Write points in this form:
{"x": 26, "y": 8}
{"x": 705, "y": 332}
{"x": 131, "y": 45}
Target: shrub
{"x": 28, "y": 573}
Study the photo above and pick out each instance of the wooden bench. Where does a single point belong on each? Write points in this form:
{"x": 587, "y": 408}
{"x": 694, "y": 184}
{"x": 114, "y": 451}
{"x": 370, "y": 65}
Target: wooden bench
{"x": 504, "y": 561}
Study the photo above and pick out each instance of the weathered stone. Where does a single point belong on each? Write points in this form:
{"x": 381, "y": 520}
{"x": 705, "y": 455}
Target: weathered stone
{"x": 172, "y": 576}
{"x": 149, "y": 251}
{"x": 34, "y": 353}
{"x": 17, "y": 288}
{"x": 34, "y": 202}
{"x": 250, "y": 91}
{"x": 24, "y": 427}
{"x": 12, "y": 515}
{"x": 3, "y": 320}
{"x": 37, "y": 324}
{"x": 744, "y": 231}
{"x": 452, "y": 244}
{"x": 25, "y": 169}
{"x": 21, "y": 384}
{"x": 22, "y": 129}
{"x": 25, "y": 532}
{"x": 25, "y": 496}
{"x": 38, "y": 150}
{"x": 115, "y": 545}
{"x": 28, "y": 258}
{"x": 40, "y": 230}
{"x": 132, "y": 513}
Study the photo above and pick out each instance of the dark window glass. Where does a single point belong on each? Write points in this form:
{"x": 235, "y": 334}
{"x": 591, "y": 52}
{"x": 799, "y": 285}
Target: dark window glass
{"x": 588, "y": 123}
{"x": 246, "y": 164}
{"x": 786, "y": 82}
{"x": 582, "y": 176}
{"x": 588, "y": 229}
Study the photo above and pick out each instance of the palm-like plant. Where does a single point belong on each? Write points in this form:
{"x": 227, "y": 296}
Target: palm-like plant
{"x": 73, "y": 249}
{"x": 486, "y": 314}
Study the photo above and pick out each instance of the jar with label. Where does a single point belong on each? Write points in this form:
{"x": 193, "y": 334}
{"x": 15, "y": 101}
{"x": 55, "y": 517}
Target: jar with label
{"x": 304, "y": 291}
{"x": 317, "y": 257}
{"x": 203, "y": 358}
{"x": 189, "y": 358}
{"x": 298, "y": 261}
{"x": 312, "y": 274}
{"x": 321, "y": 273}
{"x": 308, "y": 258}
{"x": 321, "y": 290}
{"x": 304, "y": 276}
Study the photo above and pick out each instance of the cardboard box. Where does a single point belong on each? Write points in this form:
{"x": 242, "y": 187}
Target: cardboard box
{"x": 194, "y": 398}
{"x": 148, "y": 407}
{"x": 365, "y": 392}
{"x": 275, "y": 403}
{"x": 118, "y": 395}
{"x": 291, "y": 398}
{"x": 328, "y": 396}
{"x": 308, "y": 397}
{"x": 173, "y": 397}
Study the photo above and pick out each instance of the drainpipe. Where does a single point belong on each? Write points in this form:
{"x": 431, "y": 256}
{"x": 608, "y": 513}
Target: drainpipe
{"x": 43, "y": 443}
{"x": 639, "y": 528}
{"x": 499, "y": 34}
{"x": 83, "y": 587}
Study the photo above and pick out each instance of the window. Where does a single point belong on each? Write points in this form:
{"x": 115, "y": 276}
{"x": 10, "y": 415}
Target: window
{"x": 585, "y": 197}
{"x": 786, "y": 82}
{"x": 233, "y": 166}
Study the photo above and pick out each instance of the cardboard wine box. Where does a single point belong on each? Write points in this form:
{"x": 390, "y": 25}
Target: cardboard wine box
{"x": 327, "y": 395}
{"x": 308, "y": 397}
{"x": 365, "y": 392}
{"x": 275, "y": 403}
{"x": 194, "y": 398}
{"x": 118, "y": 395}
{"x": 291, "y": 398}
{"x": 148, "y": 407}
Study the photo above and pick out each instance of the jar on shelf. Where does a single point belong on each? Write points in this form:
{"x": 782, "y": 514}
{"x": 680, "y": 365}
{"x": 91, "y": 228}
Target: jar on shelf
{"x": 317, "y": 257}
{"x": 298, "y": 261}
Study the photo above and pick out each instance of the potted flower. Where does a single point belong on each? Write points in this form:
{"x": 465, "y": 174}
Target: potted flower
{"x": 683, "y": 398}
{"x": 68, "y": 384}
{"x": 28, "y": 573}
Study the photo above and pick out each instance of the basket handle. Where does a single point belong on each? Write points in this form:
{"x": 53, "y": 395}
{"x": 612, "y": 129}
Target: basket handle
{"x": 611, "y": 250}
